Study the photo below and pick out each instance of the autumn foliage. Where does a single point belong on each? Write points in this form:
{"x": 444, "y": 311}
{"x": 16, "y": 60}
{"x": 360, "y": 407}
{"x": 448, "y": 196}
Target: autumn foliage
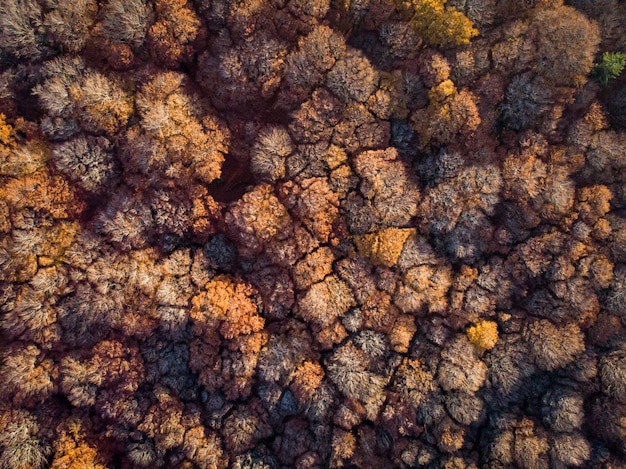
{"x": 262, "y": 234}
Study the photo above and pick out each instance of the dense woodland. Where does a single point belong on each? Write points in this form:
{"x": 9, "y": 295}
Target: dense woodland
{"x": 270, "y": 234}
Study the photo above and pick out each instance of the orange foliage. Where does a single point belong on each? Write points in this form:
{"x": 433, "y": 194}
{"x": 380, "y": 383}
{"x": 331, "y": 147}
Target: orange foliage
{"x": 171, "y": 37}
{"x": 101, "y": 104}
{"x": 205, "y": 213}
{"x": 204, "y": 450}
{"x": 47, "y": 195}
{"x": 72, "y": 451}
{"x": 383, "y": 247}
{"x": 226, "y": 302}
{"x": 313, "y": 268}
{"x": 229, "y": 336}
{"x": 343, "y": 447}
{"x": 306, "y": 380}
{"x": 402, "y": 333}
{"x": 256, "y": 219}
{"x": 163, "y": 420}
{"x": 283, "y": 233}
{"x": 6, "y": 132}
{"x": 323, "y": 304}
{"x": 173, "y": 140}
{"x": 314, "y": 204}
{"x": 38, "y": 206}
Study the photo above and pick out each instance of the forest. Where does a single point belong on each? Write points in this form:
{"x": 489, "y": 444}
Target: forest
{"x": 272, "y": 234}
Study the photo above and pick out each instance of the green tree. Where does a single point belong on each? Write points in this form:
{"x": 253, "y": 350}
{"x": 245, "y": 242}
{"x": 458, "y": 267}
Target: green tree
{"x": 609, "y": 67}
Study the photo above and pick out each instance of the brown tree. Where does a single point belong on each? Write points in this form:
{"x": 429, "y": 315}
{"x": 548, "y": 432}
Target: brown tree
{"x": 560, "y": 34}
{"x": 170, "y": 39}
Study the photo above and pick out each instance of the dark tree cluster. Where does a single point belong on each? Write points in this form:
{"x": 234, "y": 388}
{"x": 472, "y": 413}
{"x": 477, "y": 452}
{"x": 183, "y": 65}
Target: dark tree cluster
{"x": 270, "y": 234}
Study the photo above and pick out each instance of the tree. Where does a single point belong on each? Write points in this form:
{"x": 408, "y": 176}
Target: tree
{"x": 313, "y": 203}
{"x": 483, "y": 335}
{"x": 316, "y": 9}
{"x": 88, "y": 162}
{"x": 276, "y": 288}
{"x": 21, "y": 447}
{"x": 451, "y": 115}
{"x": 226, "y": 305}
{"x": 307, "y": 378}
{"x": 523, "y": 177}
{"x": 343, "y": 447}
{"x": 267, "y": 160}
{"x": 125, "y": 220}
{"x": 248, "y": 72}
{"x": 228, "y": 336}
{"x": 313, "y": 268}
{"x": 566, "y": 44}
{"x": 383, "y": 247}
{"x": 245, "y": 427}
{"x": 72, "y": 449}
{"x": 608, "y": 416}
{"x": 402, "y": 333}
{"x": 352, "y": 78}
{"x": 571, "y": 449}
{"x": 438, "y": 25}
{"x": 170, "y": 39}
{"x": 414, "y": 382}
{"x": 21, "y": 29}
{"x": 528, "y": 100}
{"x": 322, "y": 305}
{"x": 90, "y": 379}
{"x": 71, "y": 91}
{"x": 424, "y": 286}
{"x": 100, "y": 104}
{"x": 256, "y": 219}
{"x": 175, "y": 139}
{"x": 388, "y": 193}
{"x": 530, "y": 446}
{"x": 307, "y": 65}
{"x": 357, "y": 272}
{"x": 552, "y": 347}
{"x": 465, "y": 408}
{"x": 347, "y": 368}
{"x": 400, "y": 39}
{"x": 613, "y": 375}
{"x": 70, "y": 23}
{"x": 28, "y": 375}
{"x": 163, "y": 421}
{"x": 313, "y": 122}
{"x": 204, "y": 448}
{"x": 562, "y": 410}
{"x": 457, "y": 211}
{"x": 460, "y": 369}
{"x": 126, "y": 22}
{"x": 610, "y": 67}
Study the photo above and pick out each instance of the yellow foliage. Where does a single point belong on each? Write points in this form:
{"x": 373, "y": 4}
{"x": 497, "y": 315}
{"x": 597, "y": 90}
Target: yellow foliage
{"x": 384, "y": 246}
{"x": 440, "y": 92}
{"x": 483, "y": 335}
{"x": 439, "y": 25}
{"x": 71, "y": 451}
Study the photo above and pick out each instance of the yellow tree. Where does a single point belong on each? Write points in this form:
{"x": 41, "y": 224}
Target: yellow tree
{"x": 385, "y": 246}
{"x": 483, "y": 335}
{"x": 437, "y": 24}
